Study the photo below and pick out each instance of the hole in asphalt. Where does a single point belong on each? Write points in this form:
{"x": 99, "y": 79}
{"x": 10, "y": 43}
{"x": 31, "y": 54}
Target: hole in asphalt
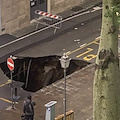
{"x": 39, "y": 72}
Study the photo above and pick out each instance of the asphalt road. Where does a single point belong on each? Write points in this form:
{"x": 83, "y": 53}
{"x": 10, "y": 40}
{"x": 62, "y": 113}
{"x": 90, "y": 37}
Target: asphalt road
{"x": 46, "y": 34}
{"x": 77, "y": 38}
{"x": 78, "y": 43}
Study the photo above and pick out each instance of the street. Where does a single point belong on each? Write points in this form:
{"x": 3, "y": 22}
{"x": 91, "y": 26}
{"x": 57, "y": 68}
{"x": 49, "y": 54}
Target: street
{"x": 76, "y": 38}
{"x": 56, "y": 66}
{"x": 75, "y": 42}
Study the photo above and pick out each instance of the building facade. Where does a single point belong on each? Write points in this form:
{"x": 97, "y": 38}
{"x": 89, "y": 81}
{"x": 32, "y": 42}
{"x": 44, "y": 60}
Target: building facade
{"x": 16, "y": 14}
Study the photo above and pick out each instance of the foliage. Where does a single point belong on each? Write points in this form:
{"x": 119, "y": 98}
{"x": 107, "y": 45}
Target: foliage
{"x": 108, "y": 13}
{"x": 116, "y": 10}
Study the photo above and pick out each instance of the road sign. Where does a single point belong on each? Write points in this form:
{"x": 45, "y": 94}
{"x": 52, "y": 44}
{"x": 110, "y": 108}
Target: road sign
{"x": 47, "y": 14}
{"x": 10, "y": 64}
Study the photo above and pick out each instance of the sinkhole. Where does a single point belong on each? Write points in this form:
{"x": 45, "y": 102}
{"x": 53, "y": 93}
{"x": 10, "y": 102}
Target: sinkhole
{"x": 39, "y": 72}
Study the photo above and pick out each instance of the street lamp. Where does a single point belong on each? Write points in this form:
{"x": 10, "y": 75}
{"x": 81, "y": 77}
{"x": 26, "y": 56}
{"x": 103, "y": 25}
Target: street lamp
{"x": 64, "y": 61}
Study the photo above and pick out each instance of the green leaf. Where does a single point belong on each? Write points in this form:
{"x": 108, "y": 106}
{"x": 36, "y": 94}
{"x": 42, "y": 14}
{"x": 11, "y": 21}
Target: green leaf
{"x": 116, "y": 8}
{"x": 118, "y": 20}
{"x": 108, "y": 13}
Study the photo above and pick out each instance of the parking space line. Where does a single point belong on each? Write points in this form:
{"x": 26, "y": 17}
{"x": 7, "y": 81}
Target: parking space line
{"x": 96, "y": 42}
{"x": 3, "y": 99}
{"x": 9, "y": 81}
{"x": 88, "y": 50}
{"x": 71, "y": 52}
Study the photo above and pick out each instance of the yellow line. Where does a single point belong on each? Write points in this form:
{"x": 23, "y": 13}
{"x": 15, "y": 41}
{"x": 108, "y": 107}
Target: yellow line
{"x": 88, "y": 50}
{"x": 96, "y": 42}
{"x": 5, "y": 100}
{"x": 9, "y": 81}
{"x": 83, "y": 46}
{"x": 89, "y": 57}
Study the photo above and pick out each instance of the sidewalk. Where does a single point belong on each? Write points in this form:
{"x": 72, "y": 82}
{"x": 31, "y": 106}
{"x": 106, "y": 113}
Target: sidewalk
{"x": 78, "y": 9}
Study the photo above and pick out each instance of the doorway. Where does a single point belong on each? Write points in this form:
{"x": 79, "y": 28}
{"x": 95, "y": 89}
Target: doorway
{"x": 37, "y": 5}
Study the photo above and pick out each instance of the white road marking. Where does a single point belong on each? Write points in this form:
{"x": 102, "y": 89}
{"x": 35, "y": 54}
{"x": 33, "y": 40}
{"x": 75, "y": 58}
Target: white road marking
{"x": 26, "y": 36}
{"x": 83, "y": 44}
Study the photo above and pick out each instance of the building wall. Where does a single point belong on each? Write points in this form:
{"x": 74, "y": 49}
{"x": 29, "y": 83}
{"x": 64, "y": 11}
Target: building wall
{"x": 14, "y": 15}
{"x": 61, "y": 5}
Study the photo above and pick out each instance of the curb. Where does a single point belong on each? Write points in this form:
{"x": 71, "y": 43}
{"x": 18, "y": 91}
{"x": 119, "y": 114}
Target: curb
{"x": 85, "y": 9}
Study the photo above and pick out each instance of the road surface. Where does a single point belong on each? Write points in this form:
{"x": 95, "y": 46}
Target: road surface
{"x": 79, "y": 43}
{"x": 77, "y": 38}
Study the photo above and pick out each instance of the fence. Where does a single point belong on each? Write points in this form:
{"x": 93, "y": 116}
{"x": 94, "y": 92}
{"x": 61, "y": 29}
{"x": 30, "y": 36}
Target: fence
{"x": 48, "y": 19}
{"x": 69, "y": 116}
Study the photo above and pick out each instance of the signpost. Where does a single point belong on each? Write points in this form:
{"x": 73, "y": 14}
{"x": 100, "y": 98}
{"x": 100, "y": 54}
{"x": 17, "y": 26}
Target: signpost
{"x": 10, "y": 64}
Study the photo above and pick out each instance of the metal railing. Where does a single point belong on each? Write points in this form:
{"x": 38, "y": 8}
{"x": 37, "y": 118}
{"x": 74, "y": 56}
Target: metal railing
{"x": 69, "y": 116}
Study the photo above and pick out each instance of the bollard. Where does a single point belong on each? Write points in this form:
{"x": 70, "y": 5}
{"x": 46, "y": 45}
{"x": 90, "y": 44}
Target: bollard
{"x": 15, "y": 91}
{"x": 15, "y": 96}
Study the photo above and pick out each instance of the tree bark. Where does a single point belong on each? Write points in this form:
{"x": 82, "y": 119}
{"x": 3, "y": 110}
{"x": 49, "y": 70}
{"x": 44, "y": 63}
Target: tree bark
{"x": 106, "y": 80}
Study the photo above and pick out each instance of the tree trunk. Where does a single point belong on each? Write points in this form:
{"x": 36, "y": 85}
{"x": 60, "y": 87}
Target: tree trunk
{"x": 106, "y": 80}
